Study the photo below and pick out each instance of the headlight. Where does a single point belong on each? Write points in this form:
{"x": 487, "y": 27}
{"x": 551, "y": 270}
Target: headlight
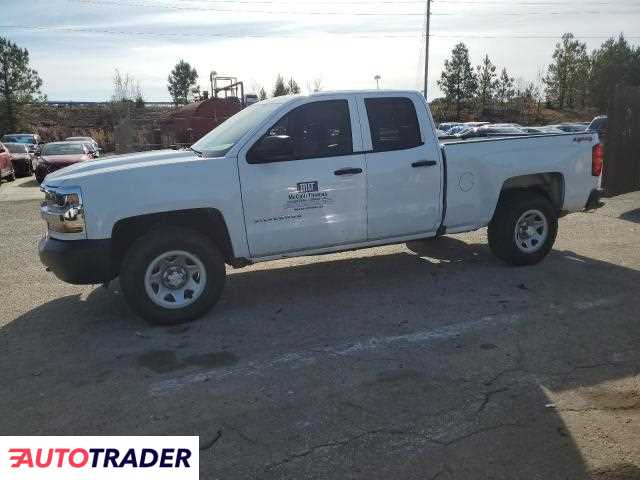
{"x": 62, "y": 209}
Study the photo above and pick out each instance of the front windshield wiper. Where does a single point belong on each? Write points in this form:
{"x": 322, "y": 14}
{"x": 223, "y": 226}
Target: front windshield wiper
{"x": 198, "y": 153}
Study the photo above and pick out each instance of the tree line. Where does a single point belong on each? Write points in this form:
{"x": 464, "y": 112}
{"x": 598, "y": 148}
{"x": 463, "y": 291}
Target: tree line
{"x": 574, "y": 78}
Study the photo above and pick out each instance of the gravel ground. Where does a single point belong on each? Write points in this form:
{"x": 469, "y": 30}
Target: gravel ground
{"x": 427, "y": 360}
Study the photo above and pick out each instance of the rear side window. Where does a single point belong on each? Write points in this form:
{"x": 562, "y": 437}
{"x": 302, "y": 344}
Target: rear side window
{"x": 393, "y": 123}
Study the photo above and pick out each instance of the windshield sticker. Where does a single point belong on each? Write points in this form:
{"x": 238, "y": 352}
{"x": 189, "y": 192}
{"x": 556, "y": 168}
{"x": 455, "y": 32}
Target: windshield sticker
{"x": 307, "y": 196}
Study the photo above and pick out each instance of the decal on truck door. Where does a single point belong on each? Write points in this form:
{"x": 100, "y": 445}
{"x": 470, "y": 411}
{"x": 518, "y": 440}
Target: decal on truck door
{"x": 307, "y": 196}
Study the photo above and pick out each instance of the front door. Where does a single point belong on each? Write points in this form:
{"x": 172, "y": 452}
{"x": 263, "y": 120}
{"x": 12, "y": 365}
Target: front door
{"x": 313, "y": 195}
{"x": 404, "y": 166}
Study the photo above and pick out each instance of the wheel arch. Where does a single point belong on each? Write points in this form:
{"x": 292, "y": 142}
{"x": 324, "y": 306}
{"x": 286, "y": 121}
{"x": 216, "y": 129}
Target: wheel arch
{"x": 549, "y": 184}
{"x": 208, "y": 221}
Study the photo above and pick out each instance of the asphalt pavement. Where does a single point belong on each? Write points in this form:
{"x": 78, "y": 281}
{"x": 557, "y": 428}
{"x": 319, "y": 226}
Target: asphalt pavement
{"x": 419, "y": 361}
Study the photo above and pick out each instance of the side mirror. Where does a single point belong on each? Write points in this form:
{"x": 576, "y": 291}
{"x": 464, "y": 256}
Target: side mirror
{"x": 273, "y": 148}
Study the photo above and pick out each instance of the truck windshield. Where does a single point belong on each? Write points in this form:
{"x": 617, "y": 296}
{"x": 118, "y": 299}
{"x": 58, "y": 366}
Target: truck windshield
{"x": 221, "y": 139}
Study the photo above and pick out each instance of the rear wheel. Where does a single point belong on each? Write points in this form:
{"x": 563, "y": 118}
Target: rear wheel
{"x": 523, "y": 229}
{"x": 12, "y": 175}
{"x": 172, "y": 276}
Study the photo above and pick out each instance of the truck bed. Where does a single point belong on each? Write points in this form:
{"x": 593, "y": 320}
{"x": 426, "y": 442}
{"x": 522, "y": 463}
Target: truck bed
{"x": 476, "y": 170}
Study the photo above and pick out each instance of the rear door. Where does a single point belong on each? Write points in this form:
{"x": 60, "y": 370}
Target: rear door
{"x": 316, "y": 196}
{"x": 404, "y": 166}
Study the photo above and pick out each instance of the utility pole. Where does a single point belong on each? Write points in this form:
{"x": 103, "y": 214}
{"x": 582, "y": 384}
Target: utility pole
{"x": 426, "y": 49}
{"x": 377, "y": 79}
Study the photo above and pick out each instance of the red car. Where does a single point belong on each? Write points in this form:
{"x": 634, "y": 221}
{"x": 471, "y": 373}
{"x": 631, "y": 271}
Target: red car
{"x": 6, "y": 167}
{"x": 58, "y": 155}
{"x": 21, "y": 159}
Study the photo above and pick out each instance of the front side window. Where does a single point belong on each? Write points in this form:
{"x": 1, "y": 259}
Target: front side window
{"x": 313, "y": 130}
{"x": 393, "y": 123}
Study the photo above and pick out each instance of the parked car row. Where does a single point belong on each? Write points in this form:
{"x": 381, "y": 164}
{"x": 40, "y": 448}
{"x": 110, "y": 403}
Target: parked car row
{"x": 24, "y": 154}
{"x": 58, "y": 155}
{"x": 459, "y": 130}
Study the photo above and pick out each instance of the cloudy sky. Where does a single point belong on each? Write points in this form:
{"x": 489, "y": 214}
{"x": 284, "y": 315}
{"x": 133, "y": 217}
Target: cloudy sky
{"x": 76, "y": 45}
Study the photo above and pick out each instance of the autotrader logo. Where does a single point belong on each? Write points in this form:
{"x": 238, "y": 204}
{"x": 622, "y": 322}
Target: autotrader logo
{"x": 71, "y": 458}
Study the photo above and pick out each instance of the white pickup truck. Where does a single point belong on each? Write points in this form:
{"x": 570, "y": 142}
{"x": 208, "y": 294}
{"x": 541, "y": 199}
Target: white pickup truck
{"x": 303, "y": 175}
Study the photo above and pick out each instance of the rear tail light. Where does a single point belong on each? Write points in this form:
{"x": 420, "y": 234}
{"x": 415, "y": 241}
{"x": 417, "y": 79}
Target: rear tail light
{"x": 597, "y": 158}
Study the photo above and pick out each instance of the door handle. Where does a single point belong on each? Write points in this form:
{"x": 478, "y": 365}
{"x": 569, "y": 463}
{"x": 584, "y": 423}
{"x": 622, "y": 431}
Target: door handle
{"x": 424, "y": 163}
{"x": 348, "y": 171}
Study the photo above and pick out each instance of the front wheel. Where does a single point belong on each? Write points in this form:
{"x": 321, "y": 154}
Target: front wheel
{"x": 523, "y": 229}
{"x": 172, "y": 276}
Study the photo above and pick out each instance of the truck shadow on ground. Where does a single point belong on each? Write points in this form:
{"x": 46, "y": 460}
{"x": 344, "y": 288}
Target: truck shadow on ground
{"x": 29, "y": 184}
{"x": 631, "y": 216}
{"x": 463, "y": 408}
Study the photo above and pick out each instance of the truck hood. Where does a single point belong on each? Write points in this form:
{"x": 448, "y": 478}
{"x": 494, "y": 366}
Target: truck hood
{"x": 117, "y": 162}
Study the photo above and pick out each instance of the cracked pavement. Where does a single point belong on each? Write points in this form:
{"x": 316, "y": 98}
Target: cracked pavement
{"x": 420, "y": 361}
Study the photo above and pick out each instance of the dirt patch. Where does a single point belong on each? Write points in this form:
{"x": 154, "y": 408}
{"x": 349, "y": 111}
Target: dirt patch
{"x": 613, "y": 400}
{"x": 623, "y": 471}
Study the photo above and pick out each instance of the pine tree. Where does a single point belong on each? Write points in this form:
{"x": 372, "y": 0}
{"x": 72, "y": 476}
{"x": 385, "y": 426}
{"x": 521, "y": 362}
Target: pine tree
{"x": 458, "y": 80}
{"x": 19, "y": 83}
{"x": 293, "y": 87}
{"x": 280, "y": 88}
{"x": 262, "y": 94}
{"x": 487, "y": 82}
{"x": 614, "y": 63}
{"x": 568, "y": 73}
{"x": 505, "y": 90}
{"x": 181, "y": 82}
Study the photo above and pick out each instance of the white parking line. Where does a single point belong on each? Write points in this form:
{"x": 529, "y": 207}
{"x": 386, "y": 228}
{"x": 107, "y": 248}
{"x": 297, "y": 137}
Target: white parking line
{"x": 307, "y": 357}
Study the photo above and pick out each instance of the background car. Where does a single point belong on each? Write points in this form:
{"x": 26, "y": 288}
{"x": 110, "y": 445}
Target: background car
{"x": 599, "y": 125}
{"x": 6, "y": 168}
{"x": 58, "y": 155}
{"x": 532, "y": 130}
{"x": 21, "y": 159}
{"x": 32, "y": 141}
{"x": 498, "y": 130}
{"x": 458, "y": 130}
{"x": 570, "y": 127}
{"x": 446, "y": 126}
{"x": 91, "y": 143}
{"x": 549, "y": 129}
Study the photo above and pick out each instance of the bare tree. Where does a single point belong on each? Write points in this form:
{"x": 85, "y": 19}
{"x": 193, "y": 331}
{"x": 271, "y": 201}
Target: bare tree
{"x": 126, "y": 88}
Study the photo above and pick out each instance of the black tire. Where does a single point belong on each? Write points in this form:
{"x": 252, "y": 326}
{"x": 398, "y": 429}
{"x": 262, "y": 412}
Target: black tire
{"x": 147, "y": 248}
{"x": 12, "y": 175}
{"x": 502, "y": 228}
{"x": 25, "y": 171}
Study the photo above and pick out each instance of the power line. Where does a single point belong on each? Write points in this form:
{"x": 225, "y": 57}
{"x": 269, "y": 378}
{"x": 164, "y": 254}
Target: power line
{"x": 196, "y": 34}
{"x": 415, "y": 34}
{"x": 526, "y": 3}
{"x": 236, "y": 11}
{"x": 142, "y": 4}
{"x": 408, "y": 2}
{"x": 537, "y": 36}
